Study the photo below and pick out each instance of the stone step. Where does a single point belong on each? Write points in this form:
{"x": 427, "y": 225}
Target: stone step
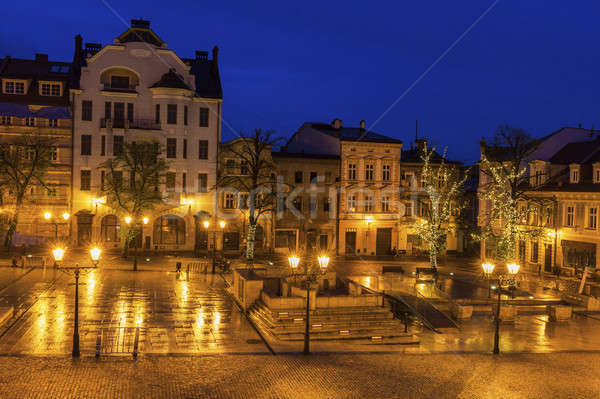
{"x": 315, "y": 325}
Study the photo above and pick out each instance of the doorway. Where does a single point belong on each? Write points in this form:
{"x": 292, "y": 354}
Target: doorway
{"x": 383, "y": 243}
{"x": 350, "y": 242}
{"x": 84, "y": 229}
{"x": 548, "y": 258}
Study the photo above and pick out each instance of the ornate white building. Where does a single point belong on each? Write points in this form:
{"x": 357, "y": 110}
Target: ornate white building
{"x": 138, "y": 89}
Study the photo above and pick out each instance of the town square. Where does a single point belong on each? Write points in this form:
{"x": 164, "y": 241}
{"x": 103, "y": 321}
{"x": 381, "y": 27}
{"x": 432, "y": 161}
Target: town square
{"x": 283, "y": 201}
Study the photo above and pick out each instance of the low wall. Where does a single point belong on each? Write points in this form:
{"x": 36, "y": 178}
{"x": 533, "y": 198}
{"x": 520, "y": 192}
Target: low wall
{"x": 347, "y": 301}
{"x": 246, "y": 287}
{"x": 282, "y": 302}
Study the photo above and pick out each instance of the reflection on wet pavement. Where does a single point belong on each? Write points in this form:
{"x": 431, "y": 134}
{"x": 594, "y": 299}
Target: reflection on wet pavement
{"x": 172, "y": 315}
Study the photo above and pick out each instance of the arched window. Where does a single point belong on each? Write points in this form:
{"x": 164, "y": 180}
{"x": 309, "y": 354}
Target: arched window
{"x": 169, "y": 230}
{"x": 110, "y": 228}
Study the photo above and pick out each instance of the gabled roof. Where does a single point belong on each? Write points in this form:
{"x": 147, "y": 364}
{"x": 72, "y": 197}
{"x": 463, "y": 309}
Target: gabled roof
{"x": 36, "y": 70}
{"x": 353, "y": 134}
{"x": 285, "y": 154}
{"x": 172, "y": 80}
{"x": 579, "y": 152}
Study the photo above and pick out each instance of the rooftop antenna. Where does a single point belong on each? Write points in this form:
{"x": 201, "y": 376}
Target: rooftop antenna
{"x": 416, "y": 129}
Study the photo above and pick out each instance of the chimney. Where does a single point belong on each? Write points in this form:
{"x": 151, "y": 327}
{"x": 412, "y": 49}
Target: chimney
{"x": 41, "y": 57}
{"x": 201, "y": 55}
{"x": 215, "y": 61}
{"x": 140, "y": 23}
{"x": 337, "y": 123}
{"x": 362, "y": 125}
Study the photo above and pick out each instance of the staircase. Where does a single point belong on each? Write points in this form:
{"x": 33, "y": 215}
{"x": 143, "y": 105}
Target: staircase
{"x": 372, "y": 323}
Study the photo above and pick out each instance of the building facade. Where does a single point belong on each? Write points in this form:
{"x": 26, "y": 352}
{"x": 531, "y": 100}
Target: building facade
{"x": 137, "y": 89}
{"x": 306, "y": 219}
{"x": 368, "y": 190}
{"x": 34, "y": 101}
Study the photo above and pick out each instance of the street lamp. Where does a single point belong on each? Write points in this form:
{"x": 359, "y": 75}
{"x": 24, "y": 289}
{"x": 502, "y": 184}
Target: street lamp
{"x": 488, "y": 269}
{"x": 506, "y": 284}
{"x": 95, "y": 255}
{"x": 59, "y": 254}
{"x": 310, "y": 275}
{"x": 48, "y": 217}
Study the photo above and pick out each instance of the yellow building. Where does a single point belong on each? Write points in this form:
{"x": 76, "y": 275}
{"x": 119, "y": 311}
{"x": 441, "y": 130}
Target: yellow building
{"x": 34, "y": 99}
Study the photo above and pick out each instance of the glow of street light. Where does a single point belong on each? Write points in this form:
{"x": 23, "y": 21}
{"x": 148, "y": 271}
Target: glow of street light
{"x": 47, "y": 215}
{"x": 206, "y": 224}
{"x": 222, "y": 224}
{"x": 513, "y": 268}
{"x": 58, "y": 254}
{"x": 66, "y": 215}
{"x": 488, "y": 268}
{"x": 95, "y": 253}
{"x": 323, "y": 261}
{"x": 127, "y": 219}
{"x": 293, "y": 261}
{"x": 145, "y": 220}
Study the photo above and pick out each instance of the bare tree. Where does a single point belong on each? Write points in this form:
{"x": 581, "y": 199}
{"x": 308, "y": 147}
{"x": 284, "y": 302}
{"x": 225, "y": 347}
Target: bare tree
{"x": 443, "y": 184}
{"x": 254, "y": 175}
{"x": 132, "y": 182}
{"x": 24, "y": 163}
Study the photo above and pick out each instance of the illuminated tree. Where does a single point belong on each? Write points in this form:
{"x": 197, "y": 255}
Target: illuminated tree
{"x": 252, "y": 173}
{"x": 443, "y": 184}
{"x": 24, "y": 162}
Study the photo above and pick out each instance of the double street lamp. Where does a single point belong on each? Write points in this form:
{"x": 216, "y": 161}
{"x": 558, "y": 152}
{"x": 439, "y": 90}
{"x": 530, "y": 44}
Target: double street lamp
{"x": 138, "y": 226}
{"x": 507, "y": 283}
{"x": 59, "y": 254}
{"x": 310, "y": 275}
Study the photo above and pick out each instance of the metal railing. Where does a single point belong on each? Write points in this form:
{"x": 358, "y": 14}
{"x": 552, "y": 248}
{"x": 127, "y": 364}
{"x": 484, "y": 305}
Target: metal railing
{"x": 110, "y": 87}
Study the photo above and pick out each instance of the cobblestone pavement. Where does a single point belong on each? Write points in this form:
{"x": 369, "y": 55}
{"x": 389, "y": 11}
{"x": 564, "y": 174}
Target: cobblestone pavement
{"x": 172, "y": 315}
{"x": 567, "y": 375}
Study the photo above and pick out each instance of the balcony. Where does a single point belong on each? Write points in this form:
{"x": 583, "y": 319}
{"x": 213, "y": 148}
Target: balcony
{"x": 142, "y": 124}
{"x": 119, "y": 88}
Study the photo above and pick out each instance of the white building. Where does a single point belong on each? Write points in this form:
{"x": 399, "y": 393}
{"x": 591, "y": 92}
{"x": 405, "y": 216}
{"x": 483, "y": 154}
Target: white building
{"x": 138, "y": 89}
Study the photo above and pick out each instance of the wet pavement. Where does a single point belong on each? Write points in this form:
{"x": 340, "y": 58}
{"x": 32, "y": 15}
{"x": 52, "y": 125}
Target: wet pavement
{"x": 169, "y": 314}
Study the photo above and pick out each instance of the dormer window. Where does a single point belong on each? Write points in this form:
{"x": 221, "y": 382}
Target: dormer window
{"x": 119, "y": 82}
{"x": 53, "y": 89}
{"x": 14, "y": 87}
{"x": 596, "y": 172}
{"x": 574, "y": 174}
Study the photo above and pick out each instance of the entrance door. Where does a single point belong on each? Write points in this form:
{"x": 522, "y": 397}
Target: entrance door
{"x": 383, "y": 243}
{"x": 202, "y": 240}
{"x": 548, "y": 257}
{"x": 84, "y": 230}
{"x": 350, "y": 242}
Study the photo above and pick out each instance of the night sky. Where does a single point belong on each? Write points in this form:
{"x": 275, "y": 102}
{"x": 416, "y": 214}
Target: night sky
{"x": 532, "y": 64}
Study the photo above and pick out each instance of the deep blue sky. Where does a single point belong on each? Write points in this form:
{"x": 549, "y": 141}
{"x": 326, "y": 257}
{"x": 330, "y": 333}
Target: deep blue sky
{"x": 532, "y": 64}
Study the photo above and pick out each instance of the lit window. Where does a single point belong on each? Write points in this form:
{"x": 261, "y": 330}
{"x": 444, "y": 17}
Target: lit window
{"x": 5, "y": 120}
{"x": 369, "y": 169}
{"x": 352, "y": 171}
{"x": 50, "y": 89}
{"x": 385, "y": 204}
{"x": 53, "y": 122}
{"x": 386, "y": 172}
{"x": 14, "y": 87}
{"x": 575, "y": 176}
{"x": 408, "y": 209}
{"x": 369, "y": 203}
{"x": 352, "y": 203}
{"x": 229, "y": 201}
{"x": 570, "y": 216}
{"x": 29, "y": 121}
{"x": 593, "y": 218}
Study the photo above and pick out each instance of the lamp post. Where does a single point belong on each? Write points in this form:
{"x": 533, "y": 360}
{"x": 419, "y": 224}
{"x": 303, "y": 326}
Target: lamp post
{"x": 59, "y": 254}
{"x": 310, "y": 275}
{"x": 138, "y": 226}
{"x": 488, "y": 269}
{"x": 206, "y": 225}
{"x": 506, "y": 284}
